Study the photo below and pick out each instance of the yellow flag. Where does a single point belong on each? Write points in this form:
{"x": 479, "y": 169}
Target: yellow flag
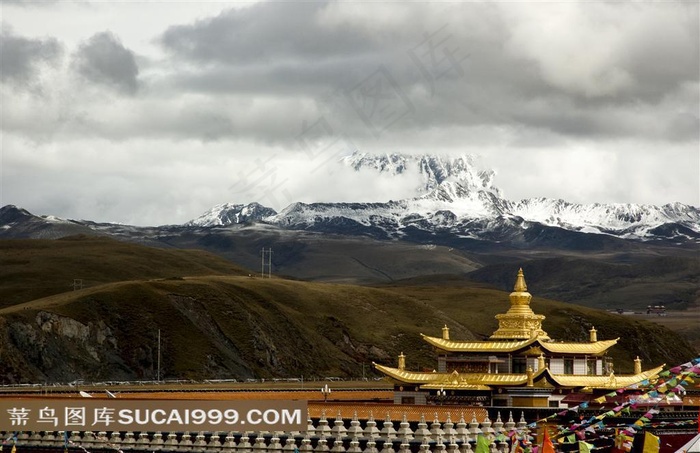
{"x": 584, "y": 447}
{"x": 652, "y": 444}
{"x": 14, "y": 448}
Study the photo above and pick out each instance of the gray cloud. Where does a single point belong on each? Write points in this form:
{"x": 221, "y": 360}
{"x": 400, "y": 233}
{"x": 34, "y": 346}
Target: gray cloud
{"x": 598, "y": 101}
{"x": 22, "y": 57}
{"x": 104, "y": 60}
{"x": 519, "y": 69}
{"x": 264, "y": 34}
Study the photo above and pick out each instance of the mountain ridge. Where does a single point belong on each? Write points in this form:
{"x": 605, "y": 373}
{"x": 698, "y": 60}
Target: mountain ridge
{"x": 455, "y": 193}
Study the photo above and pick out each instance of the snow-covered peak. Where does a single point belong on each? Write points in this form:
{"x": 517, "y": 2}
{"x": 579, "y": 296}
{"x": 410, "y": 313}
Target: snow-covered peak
{"x": 229, "y": 214}
{"x": 608, "y": 216}
{"x": 433, "y": 170}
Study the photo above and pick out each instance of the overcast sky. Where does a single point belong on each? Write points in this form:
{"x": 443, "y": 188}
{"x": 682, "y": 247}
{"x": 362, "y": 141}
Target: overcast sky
{"x": 150, "y": 112}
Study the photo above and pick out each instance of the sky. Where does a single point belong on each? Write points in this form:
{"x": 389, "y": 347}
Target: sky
{"x": 152, "y": 112}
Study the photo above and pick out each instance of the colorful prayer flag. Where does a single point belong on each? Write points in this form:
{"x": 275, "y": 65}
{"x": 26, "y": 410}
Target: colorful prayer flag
{"x": 547, "y": 445}
{"x": 652, "y": 444}
{"x": 585, "y": 447}
{"x": 482, "y": 444}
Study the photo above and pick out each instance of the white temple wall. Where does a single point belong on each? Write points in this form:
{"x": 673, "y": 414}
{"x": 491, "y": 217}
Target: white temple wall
{"x": 580, "y": 366}
{"x": 556, "y": 365}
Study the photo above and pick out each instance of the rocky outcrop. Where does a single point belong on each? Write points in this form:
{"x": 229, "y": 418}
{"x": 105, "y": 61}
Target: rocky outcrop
{"x": 60, "y": 348}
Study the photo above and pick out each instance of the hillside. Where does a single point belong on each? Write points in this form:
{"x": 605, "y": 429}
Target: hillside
{"x": 34, "y": 268}
{"x": 241, "y": 327}
{"x": 609, "y": 282}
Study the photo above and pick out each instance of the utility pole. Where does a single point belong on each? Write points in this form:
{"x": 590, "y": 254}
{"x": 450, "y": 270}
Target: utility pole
{"x": 158, "y": 355}
{"x": 265, "y": 263}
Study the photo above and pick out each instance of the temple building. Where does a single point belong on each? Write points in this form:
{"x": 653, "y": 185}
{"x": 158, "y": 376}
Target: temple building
{"x": 519, "y": 366}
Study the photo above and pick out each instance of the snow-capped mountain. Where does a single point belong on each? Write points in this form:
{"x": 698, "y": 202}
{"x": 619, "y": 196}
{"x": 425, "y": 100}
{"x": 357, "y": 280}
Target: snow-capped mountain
{"x": 18, "y": 222}
{"x": 454, "y": 197}
{"x": 626, "y": 220}
{"x": 453, "y": 200}
{"x": 229, "y": 213}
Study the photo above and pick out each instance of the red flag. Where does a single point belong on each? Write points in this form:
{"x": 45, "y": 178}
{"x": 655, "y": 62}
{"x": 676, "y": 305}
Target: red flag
{"x": 547, "y": 445}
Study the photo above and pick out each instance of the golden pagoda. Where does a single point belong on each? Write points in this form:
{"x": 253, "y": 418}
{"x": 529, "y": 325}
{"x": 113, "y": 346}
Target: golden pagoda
{"x": 518, "y": 366}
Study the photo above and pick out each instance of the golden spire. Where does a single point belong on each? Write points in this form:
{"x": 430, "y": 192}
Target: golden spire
{"x": 520, "y": 285}
{"x": 402, "y": 362}
{"x": 520, "y": 296}
{"x": 530, "y": 377}
{"x": 520, "y": 322}
{"x": 637, "y": 365}
{"x": 445, "y": 333}
{"x": 594, "y": 335}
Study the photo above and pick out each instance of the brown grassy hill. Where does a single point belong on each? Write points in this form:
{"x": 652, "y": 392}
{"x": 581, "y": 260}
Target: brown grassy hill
{"x": 34, "y": 268}
{"x": 238, "y": 327}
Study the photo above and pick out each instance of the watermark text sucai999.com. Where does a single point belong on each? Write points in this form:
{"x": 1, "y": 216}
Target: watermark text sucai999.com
{"x": 156, "y": 415}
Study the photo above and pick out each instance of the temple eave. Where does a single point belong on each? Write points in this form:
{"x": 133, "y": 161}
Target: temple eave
{"x": 508, "y": 344}
{"x": 486, "y": 381}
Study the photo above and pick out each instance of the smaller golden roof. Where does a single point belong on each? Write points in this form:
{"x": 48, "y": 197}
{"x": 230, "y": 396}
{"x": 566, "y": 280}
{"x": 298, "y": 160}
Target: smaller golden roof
{"x": 409, "y": 377}
{"x": 608, "y": 382}
{"x": 595, "y": 348}
{"x": 476, "y": 346}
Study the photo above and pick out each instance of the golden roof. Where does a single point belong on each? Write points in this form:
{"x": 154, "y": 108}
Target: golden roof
{"x": 476, "y": 346}
{"x": 594, "y": 348}
{"x": 485, "y": 381}
{"x": 609, "y": 382}
{"x": 451, "y": 380}
{"x": 409, "y": 377}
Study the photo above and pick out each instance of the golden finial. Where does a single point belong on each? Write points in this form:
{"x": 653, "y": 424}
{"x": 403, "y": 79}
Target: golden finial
{"x": 637, "y": 365}
{"x": 520, "y": 285}
{"x": 530, "y": 377}
{"x": 540, "y": 362}
{"x": 445, "y": 333}
{"x": 594, "y": 335}
{"x": 402, "y": 361}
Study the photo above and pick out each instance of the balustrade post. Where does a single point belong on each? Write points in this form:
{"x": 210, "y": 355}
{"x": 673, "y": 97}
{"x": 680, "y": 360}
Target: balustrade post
{"x": 157, "y": 441}
{"x": 371, "y": 431}
{"x": 422, "y": 432}
{"x": 388, "y": 432}
{"x": 435, "y": 430}
{"x": 338, "y": 432}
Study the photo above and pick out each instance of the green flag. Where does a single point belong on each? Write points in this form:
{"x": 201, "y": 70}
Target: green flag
{"x": 584, "y": 447}
{"x": 482, "y": 444}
